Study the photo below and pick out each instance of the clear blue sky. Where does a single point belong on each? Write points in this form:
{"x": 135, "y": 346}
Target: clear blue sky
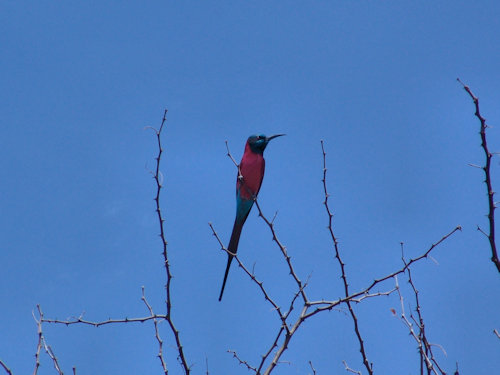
{"x": 374, "y": 79}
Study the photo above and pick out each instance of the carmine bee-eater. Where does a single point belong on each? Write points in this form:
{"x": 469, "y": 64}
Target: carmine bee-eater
{"x": 248, "y": 182}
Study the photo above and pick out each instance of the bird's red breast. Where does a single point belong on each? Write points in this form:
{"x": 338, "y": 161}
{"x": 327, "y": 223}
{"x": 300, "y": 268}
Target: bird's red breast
{"x": 252, "y": 168}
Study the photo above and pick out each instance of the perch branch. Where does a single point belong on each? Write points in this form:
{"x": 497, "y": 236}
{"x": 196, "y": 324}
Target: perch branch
{"x": 487, "y": 179}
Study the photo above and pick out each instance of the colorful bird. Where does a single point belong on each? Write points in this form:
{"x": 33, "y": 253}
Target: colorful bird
{"x": 248, "y": 182}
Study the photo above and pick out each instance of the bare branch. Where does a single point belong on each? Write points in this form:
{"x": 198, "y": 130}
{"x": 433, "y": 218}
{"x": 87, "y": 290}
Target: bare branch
{"x": 161, "y": 220}
{"x": 367, "y": 364}
{"x": 7, "y": 370}
{"x": 43, "y": 343}
{"x": 157, "y": 333}
{"x": 284, "y": 252}
{"x": 487, "y": 181}
{"x": 312, "y": 368}
{"x": 409, "y": 325}
{"x": 425, "y": 348}
{"x": 288, "y": 336}
{"x": 242, "y": 362}
{"x": 231, "y": 156}
{"x": 40, "y": 338}
{"x": 497, "y": 334}
{"x": 104, "y": 322}
{"x": 52, "y": 356}
{"x": 348, "y": 369}
{"x": 249, "y": 273}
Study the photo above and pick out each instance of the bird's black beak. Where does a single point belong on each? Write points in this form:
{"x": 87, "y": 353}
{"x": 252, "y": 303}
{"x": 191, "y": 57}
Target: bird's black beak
{"x": 274, "y": 136}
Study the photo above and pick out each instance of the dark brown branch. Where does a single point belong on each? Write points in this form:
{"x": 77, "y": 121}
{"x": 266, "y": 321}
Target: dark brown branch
{"x": 5, "y": 367}
{"x": 104, "y": 322}
{"x": 249, "y": 273}
{"x": 284, "y": 252}
{"x": 487, "y": 180}
{"x": 284, "y": 346}
{"x": 312, "y": 368}
{"x": 423, "y": 349}
{"x": 271, "y": 348}
{"x": 366, "y": 363}
{"x": 161, "y": 220}
{"x": 242, "y": 362}
{"x": 427, "y": 357}
{"x": 497, "y": 334}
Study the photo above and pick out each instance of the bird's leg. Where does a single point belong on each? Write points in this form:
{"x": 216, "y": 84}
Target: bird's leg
{"x": 240, "y": 176}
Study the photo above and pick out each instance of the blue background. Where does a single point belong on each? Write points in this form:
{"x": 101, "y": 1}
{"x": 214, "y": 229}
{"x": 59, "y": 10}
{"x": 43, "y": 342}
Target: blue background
{"x": 375, "y": 80}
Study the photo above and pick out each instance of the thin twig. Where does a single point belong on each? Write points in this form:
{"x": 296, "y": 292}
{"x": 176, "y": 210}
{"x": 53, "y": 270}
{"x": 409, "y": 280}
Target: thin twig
{"x": 52, "y": 356}
{"x": 284, "y": 252}
{"x": 348, "y": 369}
{"x": 231, "y": 156}
{"x": 43, "y": 343}
{"x": 161, "y": 220}
{"x": 420, "y": 323}
{"x": 157, "y": 333}
{"x": 242, "y": 362}
{"x": 5, "y": 367}
{"x": 497, "y": 334}
{"x": 487, "y": 180}
{"x": 104, "y": 322}
{"x": 312, "y": 368}
{"x": 249, "y": 273}
{"x": 409, "y": 325}
{"x": 362, "y": 350}
{"x": 40, "y": 338}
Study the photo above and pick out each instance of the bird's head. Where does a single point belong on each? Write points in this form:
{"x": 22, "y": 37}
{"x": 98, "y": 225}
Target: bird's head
{"x": 259, "y": 142}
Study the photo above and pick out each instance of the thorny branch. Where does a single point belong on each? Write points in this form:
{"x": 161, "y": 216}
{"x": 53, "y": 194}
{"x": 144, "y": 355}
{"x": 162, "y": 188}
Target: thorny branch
{"x": 487, "y": 179}
{"x": 7, "y": 370}
{"x": 287, "y": 329}
{"x": 427, "y": 357}
{"x": 40, "y": 340}
{"x": 312, "y": 368}
{"x": 156, "y": 322}
{"x": 168, "y": 301}
{"x": 5, "y": 367}
{"x": 43, "y": 343}
{"x": 497, "y": 334}
{"x": 421, "y": 348}
{"x": 242, "y": 362}
{"x": 80, "y": 320}
{"x": 366, "y": 363}
{"x": 348, "y": 369}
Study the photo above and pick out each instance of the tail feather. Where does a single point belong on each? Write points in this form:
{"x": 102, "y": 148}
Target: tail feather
{"x": 232, "y": 248}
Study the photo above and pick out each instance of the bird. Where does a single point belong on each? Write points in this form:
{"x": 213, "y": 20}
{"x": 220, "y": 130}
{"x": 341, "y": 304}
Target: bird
{"x": 248, "y": 182}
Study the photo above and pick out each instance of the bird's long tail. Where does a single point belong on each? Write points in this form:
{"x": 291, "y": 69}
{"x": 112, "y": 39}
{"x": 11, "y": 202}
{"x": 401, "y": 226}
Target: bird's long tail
{"x": 232, "y": 248}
